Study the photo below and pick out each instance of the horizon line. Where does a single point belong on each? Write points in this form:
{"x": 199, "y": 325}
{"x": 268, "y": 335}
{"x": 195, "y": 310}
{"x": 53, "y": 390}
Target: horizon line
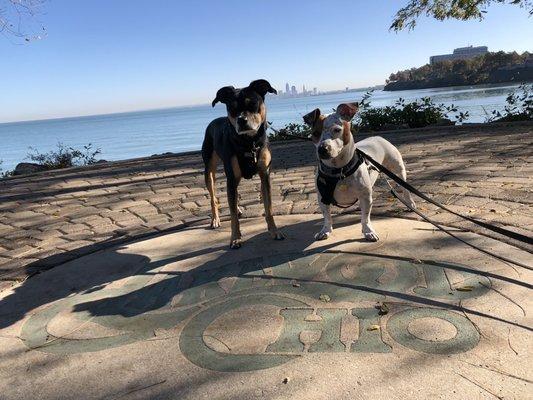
{"x": 145, "y": 109}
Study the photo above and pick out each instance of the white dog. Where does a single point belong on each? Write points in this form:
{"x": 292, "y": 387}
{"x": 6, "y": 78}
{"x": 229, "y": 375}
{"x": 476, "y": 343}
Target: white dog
{"x": 342, "y": 177}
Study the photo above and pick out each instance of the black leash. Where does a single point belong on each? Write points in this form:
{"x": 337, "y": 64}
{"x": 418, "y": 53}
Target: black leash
{"x": 401, "y": 182}
{"x": 438, "y": 226}
{"x": 502, "y": 231}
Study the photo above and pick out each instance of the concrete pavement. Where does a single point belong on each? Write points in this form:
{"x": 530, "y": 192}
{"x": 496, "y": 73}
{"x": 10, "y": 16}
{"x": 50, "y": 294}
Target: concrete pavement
{"x": 178, "y": 316}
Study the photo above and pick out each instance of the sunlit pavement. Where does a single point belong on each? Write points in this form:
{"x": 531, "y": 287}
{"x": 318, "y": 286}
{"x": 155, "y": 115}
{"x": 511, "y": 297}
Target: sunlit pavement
{"x": 180, "y": 316}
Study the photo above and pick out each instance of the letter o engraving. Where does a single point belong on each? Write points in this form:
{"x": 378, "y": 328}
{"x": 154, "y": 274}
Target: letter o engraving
{"x": 467, "y": 336}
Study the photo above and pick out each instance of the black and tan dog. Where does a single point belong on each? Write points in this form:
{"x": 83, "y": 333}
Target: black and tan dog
{"x": 240, "y": 142}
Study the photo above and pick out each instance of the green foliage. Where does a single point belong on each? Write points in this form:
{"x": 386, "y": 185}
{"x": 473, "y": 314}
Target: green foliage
{"x": 289, "y": 131}
{"x": 401, "y": 115}
{"x": 415, "y": 114}
{"x": 482, "y": 69}
{"x": 519, "y": 106}
{"x": 463, "y": 10}
{"x": 64, "y": 157}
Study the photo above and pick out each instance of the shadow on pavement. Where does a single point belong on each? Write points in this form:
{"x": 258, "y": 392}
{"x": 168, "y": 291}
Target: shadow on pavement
{"x": 146, "y": 295}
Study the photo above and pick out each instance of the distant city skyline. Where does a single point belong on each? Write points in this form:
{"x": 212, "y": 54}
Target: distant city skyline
{"x": 126, "y": 55}
{"x": 292, "y": 91}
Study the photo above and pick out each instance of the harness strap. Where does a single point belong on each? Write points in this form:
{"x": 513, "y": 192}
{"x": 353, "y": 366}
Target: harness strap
{"x": 328, "y": 177}
{"x": 247, "y": 150}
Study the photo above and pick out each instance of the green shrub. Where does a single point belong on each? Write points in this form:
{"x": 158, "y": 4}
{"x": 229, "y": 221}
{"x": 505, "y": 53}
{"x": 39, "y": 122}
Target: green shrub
{"x": 289, "y": 131}
{"x": 416, "y": 114}
{"x": 64, "y": 157}
{"x": 519, "y": 106}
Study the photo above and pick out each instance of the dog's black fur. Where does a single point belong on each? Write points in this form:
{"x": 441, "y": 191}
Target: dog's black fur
{"x": 239, "y": 140}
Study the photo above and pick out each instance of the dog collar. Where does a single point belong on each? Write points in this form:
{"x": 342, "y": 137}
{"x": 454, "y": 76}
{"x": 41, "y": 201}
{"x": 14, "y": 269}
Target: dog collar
{"x": 343, "y": 172}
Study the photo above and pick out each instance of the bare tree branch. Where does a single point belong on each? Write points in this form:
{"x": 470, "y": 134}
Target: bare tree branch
{"x": 18, "y": 19}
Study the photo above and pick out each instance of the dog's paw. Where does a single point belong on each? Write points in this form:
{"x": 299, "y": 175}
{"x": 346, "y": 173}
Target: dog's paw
{"x": 277, "y": 235}
{"x": 215, "y": 223}
{"x": 371, "y": 236}
{"x": 235, "y": 244}
{"x": 323, "y": 234}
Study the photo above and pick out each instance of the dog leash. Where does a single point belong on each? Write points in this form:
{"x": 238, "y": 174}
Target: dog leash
{"x": 502, "y": 231}
{"x": 441, "y": 228}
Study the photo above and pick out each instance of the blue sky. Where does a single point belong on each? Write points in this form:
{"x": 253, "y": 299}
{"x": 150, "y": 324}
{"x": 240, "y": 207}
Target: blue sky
{"x": 104, "y": 56}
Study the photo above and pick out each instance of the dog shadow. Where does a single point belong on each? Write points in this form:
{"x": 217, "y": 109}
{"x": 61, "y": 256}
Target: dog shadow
{"x": 97, "y": 271}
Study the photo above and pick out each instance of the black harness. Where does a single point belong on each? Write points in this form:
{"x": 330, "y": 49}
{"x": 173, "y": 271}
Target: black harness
{"x": 247, "y": 149}
{"x": 328, "y": 177}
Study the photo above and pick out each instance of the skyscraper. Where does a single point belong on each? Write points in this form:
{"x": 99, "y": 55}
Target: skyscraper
{"x": 294, "y": 92}
{"x": 287, "y": 88}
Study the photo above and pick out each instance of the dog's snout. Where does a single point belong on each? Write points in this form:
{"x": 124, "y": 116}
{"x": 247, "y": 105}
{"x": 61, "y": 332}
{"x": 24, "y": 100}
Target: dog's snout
{"x": 242, "y": 122}
{"x": 324, "y": 150}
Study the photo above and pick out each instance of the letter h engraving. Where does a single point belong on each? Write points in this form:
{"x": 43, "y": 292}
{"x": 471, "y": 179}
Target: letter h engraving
{"x": 295, "y": 323}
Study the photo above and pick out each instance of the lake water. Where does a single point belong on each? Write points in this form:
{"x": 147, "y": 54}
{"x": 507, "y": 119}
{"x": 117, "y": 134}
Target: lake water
{"x": 143, "y": 133}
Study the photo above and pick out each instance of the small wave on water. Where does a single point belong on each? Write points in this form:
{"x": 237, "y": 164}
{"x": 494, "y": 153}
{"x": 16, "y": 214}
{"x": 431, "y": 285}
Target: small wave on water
{"x": 143, "y": 133}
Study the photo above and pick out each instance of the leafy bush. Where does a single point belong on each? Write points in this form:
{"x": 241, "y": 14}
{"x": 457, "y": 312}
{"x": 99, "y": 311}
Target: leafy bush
{"x": 289, "y": 131}
{"x": 64, "y": 157}
{"x": 519, "y": 106}
{"x": 416, "y": 114}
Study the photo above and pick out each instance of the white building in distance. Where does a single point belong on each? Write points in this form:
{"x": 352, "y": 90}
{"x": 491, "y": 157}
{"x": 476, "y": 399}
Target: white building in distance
{"x": 461, "y": 53}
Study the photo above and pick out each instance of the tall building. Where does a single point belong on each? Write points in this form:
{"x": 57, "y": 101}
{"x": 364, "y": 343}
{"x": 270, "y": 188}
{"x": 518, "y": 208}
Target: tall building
{"x": 461, "y": 53}
{"x": 294, "y": 92}
{"x": 303, "y": 90}
{"x": 315, "y": 90}
{"x": 287, "y": 88}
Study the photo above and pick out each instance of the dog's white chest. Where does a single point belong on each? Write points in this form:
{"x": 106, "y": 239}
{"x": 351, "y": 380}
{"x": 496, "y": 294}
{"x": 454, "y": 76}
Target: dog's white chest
{"x": 345, "y": 193}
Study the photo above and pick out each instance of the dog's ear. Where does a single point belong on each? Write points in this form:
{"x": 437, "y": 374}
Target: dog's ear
{"x": 262, "y": 87}
{"x": 313, "y": 120}
{"x": 347, "y": 110}
{"x": 312, "y": 117}
{"x": 224, "y": 95}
